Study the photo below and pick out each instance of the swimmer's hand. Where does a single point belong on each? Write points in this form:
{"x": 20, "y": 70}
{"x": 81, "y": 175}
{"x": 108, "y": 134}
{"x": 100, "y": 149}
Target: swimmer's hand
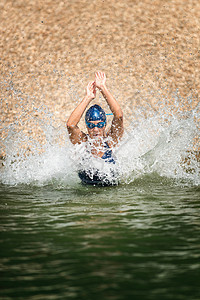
{"x": 100, "y": 80}
{"x": 91, "y": 90}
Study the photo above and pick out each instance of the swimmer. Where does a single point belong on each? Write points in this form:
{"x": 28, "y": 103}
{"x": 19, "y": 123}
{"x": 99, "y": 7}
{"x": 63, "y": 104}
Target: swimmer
{"x": 101, "y": 140}
{"x": 95, "y": 117}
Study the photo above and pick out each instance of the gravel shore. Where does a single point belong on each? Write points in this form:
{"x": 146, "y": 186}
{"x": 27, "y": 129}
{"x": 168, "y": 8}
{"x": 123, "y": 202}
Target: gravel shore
{"x": 49, "y": 50}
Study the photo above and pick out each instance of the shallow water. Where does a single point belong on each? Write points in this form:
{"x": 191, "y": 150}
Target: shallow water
{"x": 133, "y": 241}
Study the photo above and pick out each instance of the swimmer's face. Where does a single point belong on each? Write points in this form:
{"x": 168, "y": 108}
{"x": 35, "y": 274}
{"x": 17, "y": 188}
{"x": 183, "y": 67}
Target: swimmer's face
{"x": 96, "y": 132}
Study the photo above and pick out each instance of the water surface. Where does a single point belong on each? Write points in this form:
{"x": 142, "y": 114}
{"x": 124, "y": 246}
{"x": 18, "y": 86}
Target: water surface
{"x": 133, "y": 241}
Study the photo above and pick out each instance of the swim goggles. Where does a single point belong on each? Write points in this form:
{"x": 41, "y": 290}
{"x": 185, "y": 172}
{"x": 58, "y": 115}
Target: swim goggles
{"x": 98, "y": 125}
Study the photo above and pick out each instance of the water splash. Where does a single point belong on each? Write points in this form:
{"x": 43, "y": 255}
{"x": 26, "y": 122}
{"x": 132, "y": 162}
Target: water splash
{"x": 164, "y": 140}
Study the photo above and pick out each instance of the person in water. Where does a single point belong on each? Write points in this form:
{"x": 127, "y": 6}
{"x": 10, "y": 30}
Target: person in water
{"x": 101, "y": 141}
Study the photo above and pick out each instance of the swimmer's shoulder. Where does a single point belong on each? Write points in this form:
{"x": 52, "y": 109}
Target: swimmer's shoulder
{"x": 83, "y": 138}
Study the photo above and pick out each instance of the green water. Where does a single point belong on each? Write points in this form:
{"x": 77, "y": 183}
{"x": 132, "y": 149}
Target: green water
{"x": 137, "y": 241}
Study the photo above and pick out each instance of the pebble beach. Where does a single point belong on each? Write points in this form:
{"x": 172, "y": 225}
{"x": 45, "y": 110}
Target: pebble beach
{"x": 49, "y": 50}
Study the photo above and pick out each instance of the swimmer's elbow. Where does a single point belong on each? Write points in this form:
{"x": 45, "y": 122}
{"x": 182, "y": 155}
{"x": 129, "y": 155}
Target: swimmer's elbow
{"x": 70, "y": 126}
{"x": 119, "y": 115}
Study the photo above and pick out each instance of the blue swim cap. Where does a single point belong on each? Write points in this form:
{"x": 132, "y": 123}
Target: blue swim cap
{"x": 95, "y": 113}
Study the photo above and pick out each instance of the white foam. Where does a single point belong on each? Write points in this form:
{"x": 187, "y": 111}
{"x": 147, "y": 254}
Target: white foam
{"x": 154, "y": 142}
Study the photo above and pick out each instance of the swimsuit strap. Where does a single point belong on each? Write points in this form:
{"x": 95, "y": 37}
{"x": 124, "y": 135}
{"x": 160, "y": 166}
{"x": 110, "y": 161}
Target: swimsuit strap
{"x": 106, "y": 145}
{"x": 108, "y": 155}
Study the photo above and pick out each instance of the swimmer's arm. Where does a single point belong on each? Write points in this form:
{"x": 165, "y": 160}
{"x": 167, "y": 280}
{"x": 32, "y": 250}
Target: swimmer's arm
{"x": 75, "y": 134}
{"x": 117, "y": 129}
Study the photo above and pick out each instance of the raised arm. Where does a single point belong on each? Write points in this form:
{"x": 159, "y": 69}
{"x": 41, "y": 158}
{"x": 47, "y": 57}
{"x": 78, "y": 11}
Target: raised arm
{"x": 117, "y": 128}
{"x": 75, "y": 134}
